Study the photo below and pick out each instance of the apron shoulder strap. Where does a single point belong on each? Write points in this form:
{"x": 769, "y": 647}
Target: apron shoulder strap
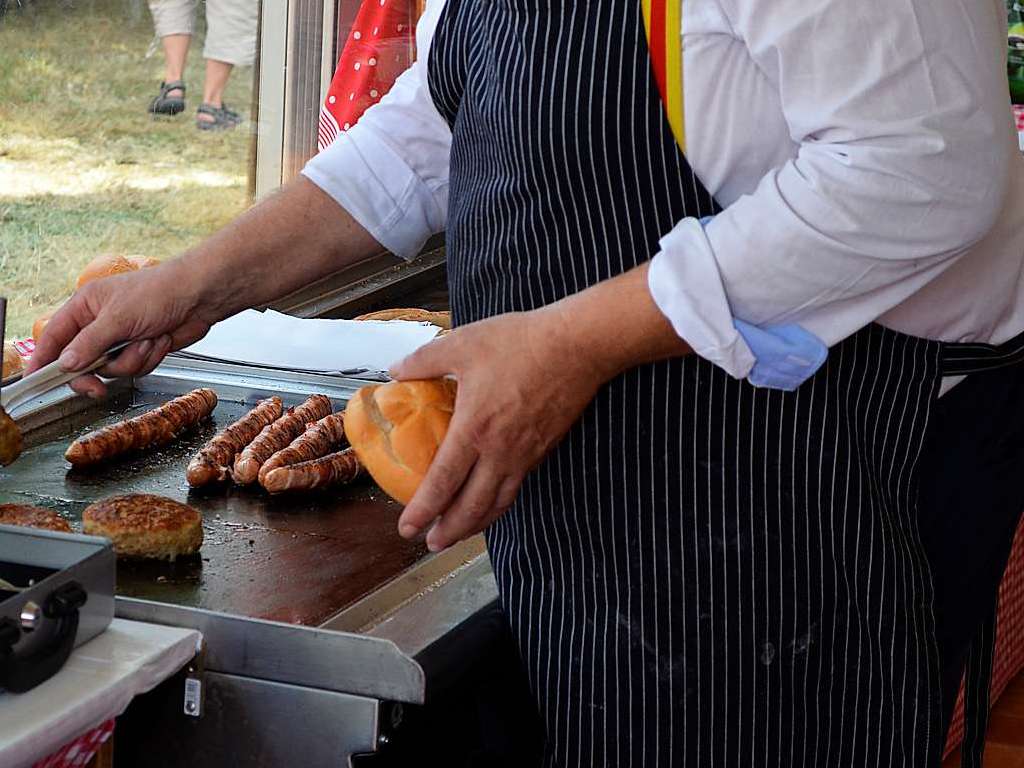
{"x": 663, "y": 22}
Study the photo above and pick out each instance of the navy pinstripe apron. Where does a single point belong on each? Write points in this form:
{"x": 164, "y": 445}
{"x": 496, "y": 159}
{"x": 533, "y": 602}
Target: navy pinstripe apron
{"x": 702, "y": 573}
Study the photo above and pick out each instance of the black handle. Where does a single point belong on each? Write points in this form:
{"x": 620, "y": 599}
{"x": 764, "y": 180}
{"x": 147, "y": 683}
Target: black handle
{"x": 20, "y": 674}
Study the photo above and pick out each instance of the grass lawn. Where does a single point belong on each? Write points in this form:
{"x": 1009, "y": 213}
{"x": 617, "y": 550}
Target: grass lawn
{"x": 84, "y": 169}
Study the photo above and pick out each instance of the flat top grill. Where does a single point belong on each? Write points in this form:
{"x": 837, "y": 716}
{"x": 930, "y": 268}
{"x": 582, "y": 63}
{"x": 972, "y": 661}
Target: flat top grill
{"x": 292, "y": 558}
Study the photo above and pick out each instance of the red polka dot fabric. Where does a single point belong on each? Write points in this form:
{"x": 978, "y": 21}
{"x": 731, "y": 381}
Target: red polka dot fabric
{"x": 80, "y": 751}
{"x": 380, "y": 46}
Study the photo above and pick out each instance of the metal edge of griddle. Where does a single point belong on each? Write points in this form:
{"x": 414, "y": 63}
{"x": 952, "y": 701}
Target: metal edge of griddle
{"x": 406, "y": 589}
{"x": 179, "y": 374}
{"x": 245, "y": 382}
{"x": 427, "y": 621}
{"x": 285, "y": 653}
{"x": 59, "y": 404}
{"x": 366, "y": 285}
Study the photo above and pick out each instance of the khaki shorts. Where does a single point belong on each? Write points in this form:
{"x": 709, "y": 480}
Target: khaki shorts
{"x": 230, "y": 26}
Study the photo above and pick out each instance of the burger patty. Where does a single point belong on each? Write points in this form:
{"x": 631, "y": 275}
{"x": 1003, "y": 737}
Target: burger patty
{"x": 146, "y": 526}
{"x": 33, "y": 517}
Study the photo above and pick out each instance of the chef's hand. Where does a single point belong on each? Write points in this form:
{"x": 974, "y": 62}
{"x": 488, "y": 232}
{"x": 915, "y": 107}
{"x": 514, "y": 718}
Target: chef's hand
{"x": 168, "y": 307}
{"x": 521, "y": 387}
{"x": 524, "y": 379}
{"x": 154, "y": 308}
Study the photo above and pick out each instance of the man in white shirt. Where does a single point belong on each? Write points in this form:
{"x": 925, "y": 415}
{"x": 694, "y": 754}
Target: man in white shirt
{"x": 708, "y": 286}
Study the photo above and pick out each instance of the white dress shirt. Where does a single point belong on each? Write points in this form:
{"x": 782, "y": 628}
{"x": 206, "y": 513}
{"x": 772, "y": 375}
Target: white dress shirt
{"x": 864, "y": 153}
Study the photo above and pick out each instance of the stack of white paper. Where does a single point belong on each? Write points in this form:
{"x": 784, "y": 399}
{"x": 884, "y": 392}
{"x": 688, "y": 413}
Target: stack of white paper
{"x": 280, "y": 341}
{"x": 98, "y": 681}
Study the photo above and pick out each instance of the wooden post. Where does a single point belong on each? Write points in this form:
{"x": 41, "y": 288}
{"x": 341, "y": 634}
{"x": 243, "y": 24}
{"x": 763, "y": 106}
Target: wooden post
{"x": 105, "y": 757}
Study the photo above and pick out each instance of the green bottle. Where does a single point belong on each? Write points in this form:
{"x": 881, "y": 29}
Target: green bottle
{"x": 1015, "y": 61}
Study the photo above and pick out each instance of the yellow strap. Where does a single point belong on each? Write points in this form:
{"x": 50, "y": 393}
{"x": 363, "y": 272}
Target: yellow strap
{"x": 667, "y": 59}
{"x": 674, "y": 106}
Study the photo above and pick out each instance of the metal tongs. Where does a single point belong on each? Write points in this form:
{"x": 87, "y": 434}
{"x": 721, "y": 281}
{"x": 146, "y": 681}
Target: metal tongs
{"x": 29, "y": 388}
{"x": 47, "y": 379}
{"x": 6, "y": 586}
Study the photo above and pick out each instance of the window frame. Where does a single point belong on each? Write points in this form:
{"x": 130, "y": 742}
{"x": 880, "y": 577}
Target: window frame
{"x": 299, "y": 45}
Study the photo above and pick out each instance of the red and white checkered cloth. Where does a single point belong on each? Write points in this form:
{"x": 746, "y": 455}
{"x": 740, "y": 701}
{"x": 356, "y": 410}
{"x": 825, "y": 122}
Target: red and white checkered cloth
{"x": 1009, "y": 655}
{"x": 80, "y": 751}
{"x": 25, "y": 348}
{"x": 380, "y": 46}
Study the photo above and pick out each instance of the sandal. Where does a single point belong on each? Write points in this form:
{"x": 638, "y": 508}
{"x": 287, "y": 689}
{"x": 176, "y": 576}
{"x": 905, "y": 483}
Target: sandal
{"x": 164, "y": 104}
{"x": 222, "y": 118}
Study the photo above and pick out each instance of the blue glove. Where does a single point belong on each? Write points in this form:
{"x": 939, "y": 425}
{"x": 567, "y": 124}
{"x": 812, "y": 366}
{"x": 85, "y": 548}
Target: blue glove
{"x": 787, "y": 355}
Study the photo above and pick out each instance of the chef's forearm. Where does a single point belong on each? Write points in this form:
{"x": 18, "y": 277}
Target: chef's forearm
{"x": 293, "y": 238}
{"x": 616, "y": 325}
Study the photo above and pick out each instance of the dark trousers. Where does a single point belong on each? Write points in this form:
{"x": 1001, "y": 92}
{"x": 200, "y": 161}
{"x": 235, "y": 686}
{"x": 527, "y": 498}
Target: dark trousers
{"x": 972, "y": 496}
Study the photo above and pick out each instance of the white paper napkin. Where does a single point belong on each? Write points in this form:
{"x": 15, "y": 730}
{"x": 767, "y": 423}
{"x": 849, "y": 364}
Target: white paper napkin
{"x": 98, "y": 681}
{"x": 281, "y": 341}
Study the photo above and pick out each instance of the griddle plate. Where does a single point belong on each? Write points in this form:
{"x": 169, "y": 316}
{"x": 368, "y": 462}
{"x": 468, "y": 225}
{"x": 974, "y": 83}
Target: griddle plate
{"x": 294, "y": 558}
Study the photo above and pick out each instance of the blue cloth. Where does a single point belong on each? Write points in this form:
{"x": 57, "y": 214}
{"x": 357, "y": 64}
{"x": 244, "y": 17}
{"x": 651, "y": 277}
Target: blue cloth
{"x": 787, "y": 355}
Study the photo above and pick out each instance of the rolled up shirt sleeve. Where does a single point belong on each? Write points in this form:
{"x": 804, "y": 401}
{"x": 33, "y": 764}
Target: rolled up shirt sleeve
{"x": 895, "y": 174}
{"x": 390, "y": 170}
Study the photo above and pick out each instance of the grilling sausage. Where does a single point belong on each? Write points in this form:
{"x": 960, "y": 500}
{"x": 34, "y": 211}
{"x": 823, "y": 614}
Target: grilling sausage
{"x": 157, "y": 427}
{"x": 214, "y": 459}
{"x": 278, "y": 435}
{"x": 318, "y": 440}
{"x": 332, "y": 469}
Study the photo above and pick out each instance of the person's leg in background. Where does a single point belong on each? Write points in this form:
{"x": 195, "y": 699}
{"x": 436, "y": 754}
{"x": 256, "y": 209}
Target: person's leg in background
{"x": 173, "y": 23}
{"x": 175, "y": 53}
{"x": 230, "y": 42}
{"x": 217, "y": 75}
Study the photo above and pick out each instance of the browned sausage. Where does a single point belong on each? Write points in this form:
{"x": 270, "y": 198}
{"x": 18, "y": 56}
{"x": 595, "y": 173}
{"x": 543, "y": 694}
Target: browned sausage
{"x": 278, "y": 435}
{"x": 318, "y": 440}
{"x": 213, "y": 460}
{"x": 332, "y": 469}
{"x": 157, "y": 427}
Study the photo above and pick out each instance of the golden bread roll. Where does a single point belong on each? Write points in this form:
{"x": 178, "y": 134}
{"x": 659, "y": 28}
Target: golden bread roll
{"x": 141, "y": 262}
{"x": 141, "y": 525}
{"x": 105, "y": 266}
{"x": 10, "y": 440}
{"x": 440, "y": 319}
{"x": 40, "y": 324}
{"x": 33, "y": 517}
{"x": 13, "y": 364}
{"x": 396, "y": 429}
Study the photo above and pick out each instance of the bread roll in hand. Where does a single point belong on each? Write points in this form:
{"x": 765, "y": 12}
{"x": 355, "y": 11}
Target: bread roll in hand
{"x": 396, "y": 429}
